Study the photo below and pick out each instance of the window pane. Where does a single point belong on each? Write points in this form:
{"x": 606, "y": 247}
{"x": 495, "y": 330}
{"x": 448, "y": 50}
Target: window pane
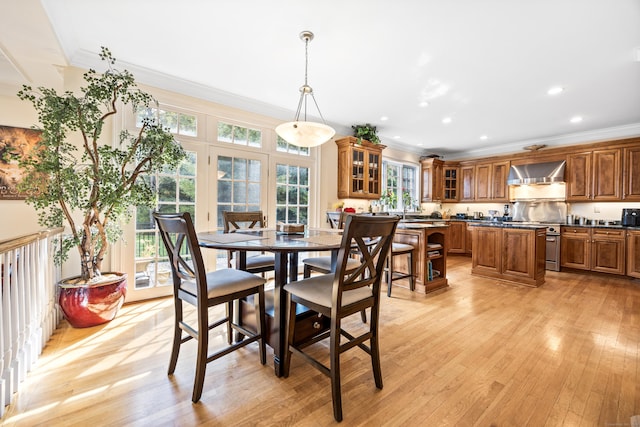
{"x": 188, "y": 125}
{"x": 144, "y": 219}
{"x": 253, "y": 191}
{"x": 187, "y": 190}
{"x": 188, "y": 167}
{"x": 281, "y": 195}
{"x": 224, "y": 191}
{"x": 293, "y": 175}
{"x": 239, "y": 135}
{"x": 169, "y": 119}
{"x": 144, "y": 113}
{"x": 293, "y": 195}
{"x": 281, "y": 173}
{"x": 239, "y": 192}
{"x": 225, "y": 132}
{"x": 166, "y": 189}
{"x": 304, "y": 176}
{"x": 254, "y": 170}
{"x": 304, "y": 195}
{"x": 239, "y": 168}
{"x": 255, "y": 138}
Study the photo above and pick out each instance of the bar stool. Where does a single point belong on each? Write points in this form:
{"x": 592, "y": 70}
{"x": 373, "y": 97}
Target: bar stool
{"x": 401, "y": 249}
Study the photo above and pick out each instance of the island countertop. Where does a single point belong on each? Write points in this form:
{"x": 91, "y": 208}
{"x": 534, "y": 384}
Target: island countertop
{"x": 499, "y": 224}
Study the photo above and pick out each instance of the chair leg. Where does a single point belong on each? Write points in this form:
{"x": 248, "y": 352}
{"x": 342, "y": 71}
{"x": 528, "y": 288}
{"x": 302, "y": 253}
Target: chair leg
{"x": 291, "y": 327}
{"x": 177, "y": 337}
{"x": 261, "y": 325}
{"x": 389, "y": 274}
{"x": 307, "y": 271}
{"x": 201, "y": 357}
{"x": 412, "y": 277}
{"x": 229, "y": 313}
{"x": 334, "y": 345}
{"x": 375, "y": 349}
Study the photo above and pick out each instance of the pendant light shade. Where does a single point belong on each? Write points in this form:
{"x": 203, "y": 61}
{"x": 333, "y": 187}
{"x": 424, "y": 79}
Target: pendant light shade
{"x": 301, "y": 132}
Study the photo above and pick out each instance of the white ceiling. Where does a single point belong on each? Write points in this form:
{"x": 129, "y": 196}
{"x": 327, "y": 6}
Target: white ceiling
{"x": 486, "y": 64}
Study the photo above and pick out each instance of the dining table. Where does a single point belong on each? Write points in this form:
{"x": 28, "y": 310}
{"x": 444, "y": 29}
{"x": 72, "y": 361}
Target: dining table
{"x": 286, "y": 248}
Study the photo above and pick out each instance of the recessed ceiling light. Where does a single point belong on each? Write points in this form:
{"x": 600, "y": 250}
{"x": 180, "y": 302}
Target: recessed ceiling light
{"x": 484, "y": 137}
{"x": 446, "y": 120}
{"x": 576, "y": 119}
{"x": 555, "y": 90}
{"x": 396, "y": 137}
{"x": 384, "y": 118}
{"x": 423, "y": 104}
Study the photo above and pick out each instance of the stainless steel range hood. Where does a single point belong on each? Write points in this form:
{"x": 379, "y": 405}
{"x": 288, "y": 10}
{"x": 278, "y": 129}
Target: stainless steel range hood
{"x": 537, "y": 173}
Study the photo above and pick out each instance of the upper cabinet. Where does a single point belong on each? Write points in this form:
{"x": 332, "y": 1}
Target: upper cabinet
{"x": 631, "y": 173}
{"x": 359, "y": 169}
{"x": 450, "y": 183}
{"x": 491, "y": 182}
{"x": 595, "y": 176}
{"x": 432, "y": 180}
{"x": 468, "y": 183}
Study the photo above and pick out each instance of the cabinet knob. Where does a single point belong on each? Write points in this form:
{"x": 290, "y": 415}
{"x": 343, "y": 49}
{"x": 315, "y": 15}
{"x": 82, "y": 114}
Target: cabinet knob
{"x": 317, "y": 325}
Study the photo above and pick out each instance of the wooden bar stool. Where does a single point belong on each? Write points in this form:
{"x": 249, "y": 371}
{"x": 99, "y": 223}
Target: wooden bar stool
{"x": 401, "y": 249}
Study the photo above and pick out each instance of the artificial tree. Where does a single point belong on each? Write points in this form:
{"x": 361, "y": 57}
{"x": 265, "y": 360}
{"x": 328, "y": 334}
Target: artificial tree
{"x": 93, "y": 185}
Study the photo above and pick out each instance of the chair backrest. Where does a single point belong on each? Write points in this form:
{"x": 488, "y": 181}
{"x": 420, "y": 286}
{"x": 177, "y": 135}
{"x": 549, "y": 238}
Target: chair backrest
{"x": 373, "y": 236}
{"x": 180, "y": 240}
{"x": 239, "y": 220}
{"x": 337, "y": 219}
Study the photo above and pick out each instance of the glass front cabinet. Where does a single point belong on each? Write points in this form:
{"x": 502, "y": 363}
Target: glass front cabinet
{"x": 359, "y": 169}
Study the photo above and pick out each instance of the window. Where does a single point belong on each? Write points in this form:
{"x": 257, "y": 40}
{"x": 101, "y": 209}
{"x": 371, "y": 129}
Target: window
{"x": 239, "y": 135}
{"x": 239, "y": 185}
{"x": 175, "y": 192}
{"x": 292, "y": 194}
{"x": 285, "y": 147}
{"x": 177, "y": 123}
{"x": 400, "y": 179}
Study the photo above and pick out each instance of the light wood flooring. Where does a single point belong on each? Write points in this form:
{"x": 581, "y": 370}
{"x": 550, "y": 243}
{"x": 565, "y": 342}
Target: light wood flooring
{"x": 480, "y": 353}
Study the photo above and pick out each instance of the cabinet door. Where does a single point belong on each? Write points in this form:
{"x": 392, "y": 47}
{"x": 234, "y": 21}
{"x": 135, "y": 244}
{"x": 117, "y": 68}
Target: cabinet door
{"x": 431, "y": 180}
{"x": 499, "y": 174}
{"x": 633, "y": 254}
{"x": 608, "y": 250}
{"x": 579, "y": 177}
{"x": 457, "y": 237}
{"x": 483, "y": 180}
{"x": 631, "y": 174}
{"x": 374, "y": 166}
{"x": 520, "y": 258}
{"x": 487, "y": 250}
{"x": 607, "y": 175}
{"x": 467, "y": 176}
{"x": 469, "y": 240}
{"x": 575, "y": 248}
{"x": 450, "y": 184}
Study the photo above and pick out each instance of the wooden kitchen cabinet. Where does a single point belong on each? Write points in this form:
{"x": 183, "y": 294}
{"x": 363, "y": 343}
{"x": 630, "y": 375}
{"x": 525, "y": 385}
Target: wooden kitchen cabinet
{"x": 631, "y": 173}
{"x": 594, "y": 249}
{"x": 450, "y": 183}
{"x": 491, "y": 182}
{"x": 469, "y": 239}
{"x": 633, "y": 253}
{"x": 509, "y": 253}
{"x": 457, "y": 237}
{"x": 359, "y": 169}
{"x": 594, "y": 176}
{"x": 431, "y": 179}
{"x": 467, "y": 182}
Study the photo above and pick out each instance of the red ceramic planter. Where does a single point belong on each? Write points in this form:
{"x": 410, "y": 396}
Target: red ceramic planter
{"x": 90, "y": 305}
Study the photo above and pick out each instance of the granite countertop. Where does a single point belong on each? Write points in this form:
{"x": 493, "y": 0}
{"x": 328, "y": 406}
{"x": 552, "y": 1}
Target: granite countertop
{"x": 498, "y": 224}
{"x": 415, "y": 225}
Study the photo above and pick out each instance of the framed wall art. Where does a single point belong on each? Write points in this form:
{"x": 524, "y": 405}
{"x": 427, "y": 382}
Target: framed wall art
{"x": 14, "y": 142}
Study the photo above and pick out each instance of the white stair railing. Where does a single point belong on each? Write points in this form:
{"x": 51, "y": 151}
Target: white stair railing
{"x": 28, "y": 311}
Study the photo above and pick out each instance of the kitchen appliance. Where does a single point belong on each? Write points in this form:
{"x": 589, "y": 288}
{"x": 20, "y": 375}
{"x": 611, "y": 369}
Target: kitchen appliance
{"x": 478, "y": 215}
{"x": 631, "y": 217}
{"x": 537, "y": 173}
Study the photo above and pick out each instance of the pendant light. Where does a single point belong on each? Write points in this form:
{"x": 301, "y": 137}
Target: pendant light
{"x": 301, "y": 132}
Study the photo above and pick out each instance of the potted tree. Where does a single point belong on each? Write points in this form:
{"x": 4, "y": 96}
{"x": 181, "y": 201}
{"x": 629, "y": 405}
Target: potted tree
{"x": 72, "y": 177}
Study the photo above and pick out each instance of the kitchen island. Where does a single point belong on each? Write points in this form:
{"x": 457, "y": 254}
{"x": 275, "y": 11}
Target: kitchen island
{"x": 431, "y": 260}
{"x": 511, "y": 252}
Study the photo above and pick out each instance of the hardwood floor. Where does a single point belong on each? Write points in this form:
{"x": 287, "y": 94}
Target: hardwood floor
{"x": 480, "y": 353}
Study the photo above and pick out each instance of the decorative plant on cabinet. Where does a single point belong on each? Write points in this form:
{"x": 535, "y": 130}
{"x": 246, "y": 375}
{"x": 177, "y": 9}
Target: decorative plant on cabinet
{"x": 92, "y": 185}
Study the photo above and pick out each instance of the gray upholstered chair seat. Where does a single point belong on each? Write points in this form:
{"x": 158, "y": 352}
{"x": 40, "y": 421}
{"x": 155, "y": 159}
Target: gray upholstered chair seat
{"x": 224, "y": 282}
{"x": 323, "y": 263}
{"x": 260, "y": 261}
{"x": 401, "y": 247}
{"x": 318, "y": 289}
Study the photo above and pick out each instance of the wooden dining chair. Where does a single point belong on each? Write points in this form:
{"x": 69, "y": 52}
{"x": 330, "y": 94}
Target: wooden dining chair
{"x": 193, "y": 285}
{"x": 341, "y": 294}
{"x": 322, "y": 263}
{"x": 233, "y": 221}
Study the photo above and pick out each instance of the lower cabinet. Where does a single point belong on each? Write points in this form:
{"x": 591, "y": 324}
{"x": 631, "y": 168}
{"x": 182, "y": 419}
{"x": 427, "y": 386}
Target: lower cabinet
{"x": 594, "y": 249}
{"x": 431, "y": 262}
{"x": 513, "y": 254}
{"x": 633, "y": 253}
{"x": 457, "y": 237}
